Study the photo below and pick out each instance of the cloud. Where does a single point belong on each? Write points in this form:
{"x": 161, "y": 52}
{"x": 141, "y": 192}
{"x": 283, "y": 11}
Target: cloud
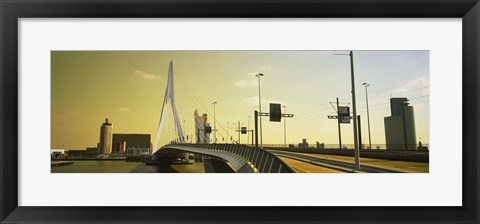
{"x": 124, "y": 109}
{"x": 245, "y": 83}
{"x": 250, "y": 81}
{"x": 146, "y": 76}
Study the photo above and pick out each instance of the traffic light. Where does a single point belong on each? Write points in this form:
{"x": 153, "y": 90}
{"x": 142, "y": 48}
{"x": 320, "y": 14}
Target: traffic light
{"x": 275, "y": 112}
{"x": 244, "y": 130}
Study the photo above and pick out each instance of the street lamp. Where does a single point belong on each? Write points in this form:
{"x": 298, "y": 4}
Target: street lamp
{"x": 185, "y": 133}
{"x": 248, "y": 131}
{"x": 285, "y": 127}
{"x": 214, "y": 123}
{"x": 228, "y": 123}
{"x": 354, "y": 105}
{"x": 368, "y": 116}
{"x": 260, "y": 107}
{"x": 239, "y": 132}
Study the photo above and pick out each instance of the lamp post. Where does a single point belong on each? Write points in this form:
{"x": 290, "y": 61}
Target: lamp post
{"x": 185, "y": 133}
{"x": 214, "y": 123}
{"x": 260, "y": 107}
{"x": 354, "y": 105}
{"x": 239, "y": 132}
{"x": 368, "y": 116}
{"x": 248, "y": 130}
{"x": 285, "y": 127}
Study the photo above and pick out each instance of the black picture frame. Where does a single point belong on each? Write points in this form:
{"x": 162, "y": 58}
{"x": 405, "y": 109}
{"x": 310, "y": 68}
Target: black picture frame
{"x": 11, "y": 11}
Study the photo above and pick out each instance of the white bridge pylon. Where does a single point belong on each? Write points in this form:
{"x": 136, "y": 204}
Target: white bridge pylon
{"x": 169, "y": 99}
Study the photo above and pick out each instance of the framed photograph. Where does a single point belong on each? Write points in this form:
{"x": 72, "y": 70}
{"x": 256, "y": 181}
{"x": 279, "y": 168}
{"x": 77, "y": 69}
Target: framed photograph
{"x": 250, "y": 112}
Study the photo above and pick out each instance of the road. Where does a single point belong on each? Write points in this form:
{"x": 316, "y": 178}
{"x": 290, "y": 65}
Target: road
{"x": 335, "y": 163}
{"x": 304, "y": 167}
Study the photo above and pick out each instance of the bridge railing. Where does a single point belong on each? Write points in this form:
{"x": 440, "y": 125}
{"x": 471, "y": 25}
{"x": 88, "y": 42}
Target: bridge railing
{"x": 351, "y": 146}
{"x": 262, "y": 160}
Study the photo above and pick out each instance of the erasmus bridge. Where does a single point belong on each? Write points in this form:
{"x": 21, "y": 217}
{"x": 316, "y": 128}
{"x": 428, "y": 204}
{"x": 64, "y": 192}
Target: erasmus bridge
{"x": 250, "y": 159}
{"x": 243, "y": 159}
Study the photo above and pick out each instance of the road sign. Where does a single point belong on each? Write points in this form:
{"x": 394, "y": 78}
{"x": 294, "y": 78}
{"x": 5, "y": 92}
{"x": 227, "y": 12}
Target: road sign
{"x": 244, "y": 130}
{"x": 344, "y": 114}
{"x": 275, "y": 112}
{"x": 208, "y": 129}
{"x": 336, "y": 117}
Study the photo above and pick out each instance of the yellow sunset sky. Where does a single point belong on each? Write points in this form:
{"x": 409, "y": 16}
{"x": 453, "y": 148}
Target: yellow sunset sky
{"x": 128, "y": 87}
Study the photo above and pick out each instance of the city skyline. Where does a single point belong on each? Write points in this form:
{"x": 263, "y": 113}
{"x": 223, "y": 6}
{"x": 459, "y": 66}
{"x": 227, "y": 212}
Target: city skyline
{"x": 128, "y": 87}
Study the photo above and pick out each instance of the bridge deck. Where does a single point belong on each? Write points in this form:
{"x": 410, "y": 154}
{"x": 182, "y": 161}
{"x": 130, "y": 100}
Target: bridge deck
{"x": 243, "y": 159}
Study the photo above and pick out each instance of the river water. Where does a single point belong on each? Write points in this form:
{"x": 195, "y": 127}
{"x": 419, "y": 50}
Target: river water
{"x": 120, "y": 166}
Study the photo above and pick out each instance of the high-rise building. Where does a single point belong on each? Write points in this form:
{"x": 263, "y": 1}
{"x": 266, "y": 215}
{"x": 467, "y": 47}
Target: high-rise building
{"x": 121, "y": 142}
{"x": 105, "y": 145}
{"x": 202, "y": 128}
{"x": 400, "y": 127}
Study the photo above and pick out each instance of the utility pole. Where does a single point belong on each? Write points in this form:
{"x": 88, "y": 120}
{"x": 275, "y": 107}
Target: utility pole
{"x": 354, "y": 105}
{"x": 239, "y": 132}
{"x": 185, "y": 133}
{"x": 275, "y": 115}
{"x": 285, "y": 128}
{"x": 339, "y": 131}
{"x": 252, "y": 136}
{"x": 368, "y": 116}
{"x": 343, "y": 116}
{"x": 260, "y": 107}
{"x": 255, "y": 117}
{"x": 359, "y": 132}
{"x": 214, "y": 123}
{"x": 248, "y": 132}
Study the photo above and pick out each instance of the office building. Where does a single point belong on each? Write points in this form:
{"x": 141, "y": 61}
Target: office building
{"x": 57, "y": 153}
{"x": 105, "y": 145}
{"x": 400, "y": 127}
{"x": 92, "y": 151}
{"x": 303, "y": 144}
{"x": 121, "y": 142}
{"x": 76, "y": 154}
{"x": 136, "y": 151}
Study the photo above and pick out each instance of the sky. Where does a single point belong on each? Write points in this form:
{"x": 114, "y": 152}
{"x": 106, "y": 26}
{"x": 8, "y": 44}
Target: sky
{"x": 128, "y": 88}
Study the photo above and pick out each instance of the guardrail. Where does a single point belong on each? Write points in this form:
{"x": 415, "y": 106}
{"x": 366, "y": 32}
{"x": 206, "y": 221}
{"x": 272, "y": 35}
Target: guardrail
{"x": 262, "y": 160}
{"x": 351, "y": 146}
